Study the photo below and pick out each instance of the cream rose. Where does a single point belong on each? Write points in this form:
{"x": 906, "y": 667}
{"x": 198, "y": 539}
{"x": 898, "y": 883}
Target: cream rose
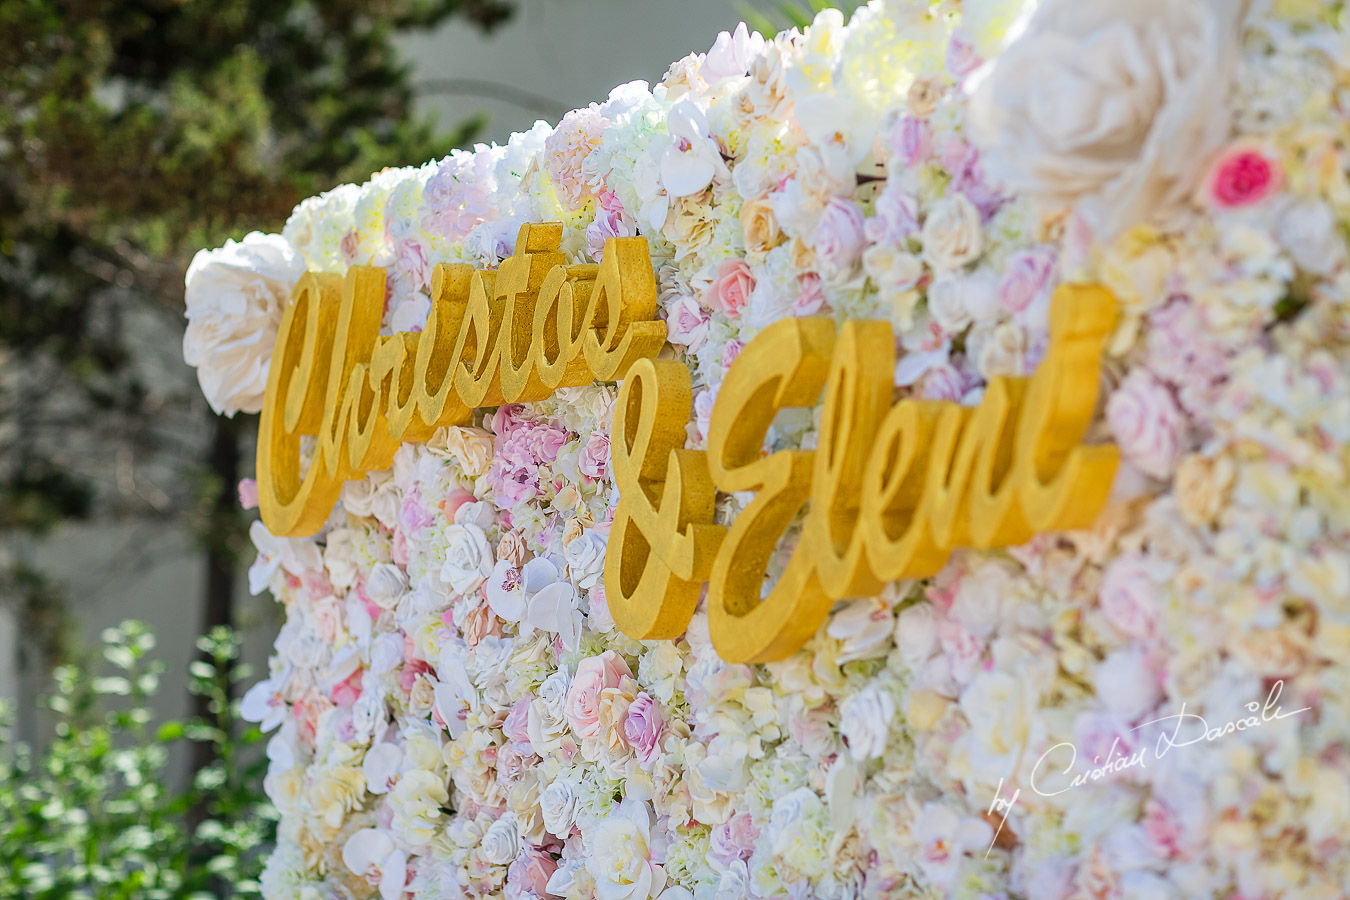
{"x": 235, "y": 297}
{"x": 1115, "y": 107}
{"x": 470, "y": 447}
{"x": 951, "y": 234}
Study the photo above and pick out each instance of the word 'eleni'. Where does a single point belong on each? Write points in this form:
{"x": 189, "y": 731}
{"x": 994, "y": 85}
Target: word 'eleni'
{"x": 889, "y": 491}
{"x": 515, "y": 334}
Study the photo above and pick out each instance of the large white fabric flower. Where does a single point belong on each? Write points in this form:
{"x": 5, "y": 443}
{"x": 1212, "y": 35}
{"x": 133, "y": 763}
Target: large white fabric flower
{"x": 372, "y": 853}
{"x": 692, "y": 159}
{"x": 1114, "y": 106}
{"x": 235, "y": 296}
{"x": 623, "y": 852}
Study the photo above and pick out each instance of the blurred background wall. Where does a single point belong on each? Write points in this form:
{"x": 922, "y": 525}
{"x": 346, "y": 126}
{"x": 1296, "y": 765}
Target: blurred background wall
{"x": 133, "y": 556}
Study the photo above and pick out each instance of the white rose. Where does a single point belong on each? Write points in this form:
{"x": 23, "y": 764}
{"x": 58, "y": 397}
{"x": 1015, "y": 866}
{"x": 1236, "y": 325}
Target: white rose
{"x": 1000, "y": 707}
{"x": 916, "y": 633}
{"x": 957, "y": 300}
{"x": 235, "y": 297}
{"x": 978, "y": 604}
{"x": 546, "y": 720}
{"x": 1114, "y": 106}
{"x": 385, "y": 584}
{"x": 1125, "y": 683}
{"x": 1308, "y": 231}
{"x": 468, "y": 557}
{"x": 623, "y": 849}
{"x": 586, "y": 560}
{"x": 951, "y": 234}
{"x": 501, "y": 842}
{"x": 865, "y": 722}
{"x": 558, "y": 803}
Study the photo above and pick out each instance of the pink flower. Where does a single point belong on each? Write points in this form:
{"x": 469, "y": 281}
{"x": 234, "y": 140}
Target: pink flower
{"x": 608, "y": 223}
{"x": 566, "y": 149}
{"x": 594, "y": 674}
{"x": 1146, "y": 423}
{"x": 730, "y": 350}
{"x": 731, "y": 289}
{"x": 412, "y": 262}
{"x": 911, "y": 141}
{"x": 1242, "y": 175}
{"x": 248, "y": 493}
{"x": 961, "y": 56}
{"x": 839, "y": 237}
{"x": 528, "y": 875}
{"x": 686, "y": 322}
{"x": 642, "y": 728}
{"x": 810, "y": 296}
{"x": 517, "y": 721}
{"x": 594, "y": 455}
{"x": 1025, "y": 277}
{"x": 897, "y": 216}
{"x": 348, "y": 691}
{"x": 1129, "y": 596}
{"x": 732, "y": 840}
{"x": 453, "y": 501}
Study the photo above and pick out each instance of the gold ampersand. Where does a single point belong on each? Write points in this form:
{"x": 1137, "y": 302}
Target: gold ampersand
{"x": 888, "y": 492}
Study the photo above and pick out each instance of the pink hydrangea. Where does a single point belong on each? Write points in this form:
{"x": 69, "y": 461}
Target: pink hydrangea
{"x": 1243, "y": 174}
{"x": 611, "y": 221}
{"x": 576, "y": 136}
{"x": 458, "y": 197}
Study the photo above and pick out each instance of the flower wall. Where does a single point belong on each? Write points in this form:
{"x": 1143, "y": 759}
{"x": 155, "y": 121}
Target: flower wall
{"x": 455, "y": 714}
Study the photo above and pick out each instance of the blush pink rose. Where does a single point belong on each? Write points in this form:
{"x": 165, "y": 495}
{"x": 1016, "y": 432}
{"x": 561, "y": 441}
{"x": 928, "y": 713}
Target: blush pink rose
{"x": 810, "y": 297}
{"x": 1129, "y": 596}
{"x": 730, "y": 291}
{"x": 528, "y": 874}
{"x": 594, "y": 455}
{"x": 594, "y": 674}
{"x": 1147, "y": 425}
{"x": 686, "y": 322}
{"x": 1242, "y": 175}
{"x": 732, "y": 840}
{"x": 642, "y": 728}
{"x": 516, "y": 726}
{"x": 348, "y": 691}
{"x": 1025, "y": 277}
{"x": 839, "y": 237}
{"x": 453, "y": 501}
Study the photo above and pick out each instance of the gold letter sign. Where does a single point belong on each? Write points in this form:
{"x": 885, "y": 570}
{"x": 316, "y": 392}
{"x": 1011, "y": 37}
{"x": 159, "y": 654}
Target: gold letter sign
{"x": 505, "y": 336}
{"x": 891, "y": 490}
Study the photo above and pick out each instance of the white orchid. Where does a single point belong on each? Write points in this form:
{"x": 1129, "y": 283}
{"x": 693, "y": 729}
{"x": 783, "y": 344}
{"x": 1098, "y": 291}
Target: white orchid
{"x": 537, "y": 597}
{"x": 373, "y": 854}
{"x": 692, "y": 159}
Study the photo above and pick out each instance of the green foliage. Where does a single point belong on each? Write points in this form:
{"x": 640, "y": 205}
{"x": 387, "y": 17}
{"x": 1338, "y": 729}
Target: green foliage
{"x": 92, "y": 815}
{"x": 781, "y": 15}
